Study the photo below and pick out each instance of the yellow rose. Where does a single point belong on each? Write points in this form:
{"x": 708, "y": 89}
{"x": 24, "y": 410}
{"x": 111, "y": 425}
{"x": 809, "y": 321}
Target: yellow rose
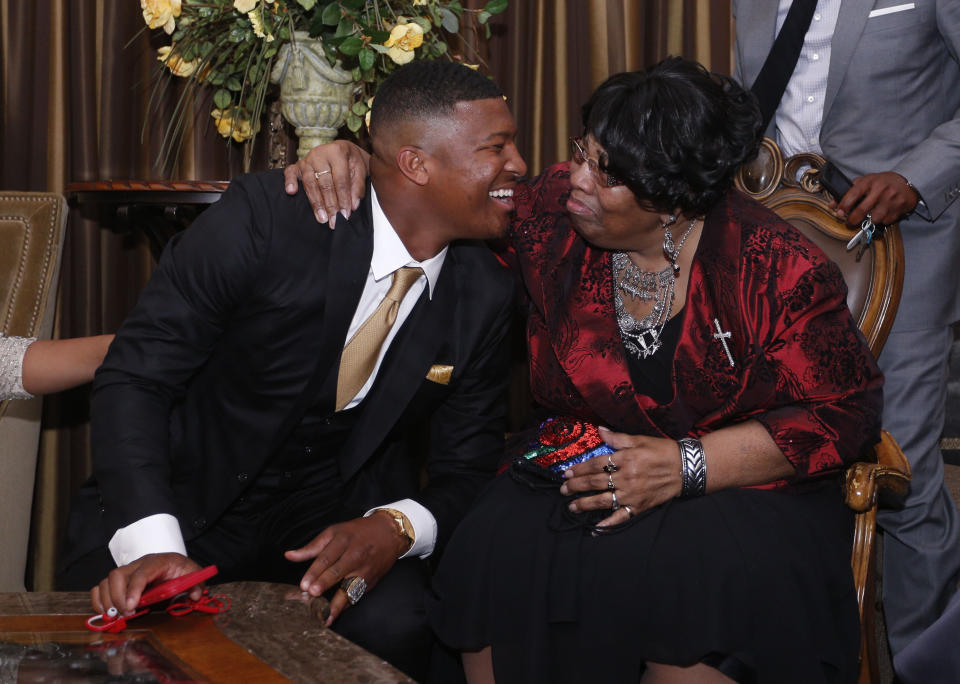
{"x": 244, "y": 6}
{"x": 257, "y": 23}
{"x": 175, "y": 63}
{"x": 160, "y": 13}
{"x": 366, "y": 117}
{"x": 229, "y": 125}
{"x": 404, "y": 38}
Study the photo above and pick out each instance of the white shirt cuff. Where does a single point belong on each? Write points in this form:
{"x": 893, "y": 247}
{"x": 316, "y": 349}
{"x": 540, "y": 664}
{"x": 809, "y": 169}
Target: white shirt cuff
{"x": 158, "y": 533}
{"x": 423, "y": 523}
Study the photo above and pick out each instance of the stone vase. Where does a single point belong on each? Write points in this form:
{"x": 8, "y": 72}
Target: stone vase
{"x": 314, "y": 96}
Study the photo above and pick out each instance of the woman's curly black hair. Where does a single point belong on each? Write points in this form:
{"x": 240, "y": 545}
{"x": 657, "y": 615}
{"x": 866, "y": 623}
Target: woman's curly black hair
{"x": 675, "y": 134}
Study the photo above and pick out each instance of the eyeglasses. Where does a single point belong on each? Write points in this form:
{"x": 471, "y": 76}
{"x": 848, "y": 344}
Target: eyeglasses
{"x": 579, "y": 155}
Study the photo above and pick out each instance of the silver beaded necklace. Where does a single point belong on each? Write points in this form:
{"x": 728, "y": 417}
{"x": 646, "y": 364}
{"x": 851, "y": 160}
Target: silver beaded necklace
{"x": 642, "y": 337}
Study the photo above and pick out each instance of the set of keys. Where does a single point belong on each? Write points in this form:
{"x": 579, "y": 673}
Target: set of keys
{"x": 864, "y": 236}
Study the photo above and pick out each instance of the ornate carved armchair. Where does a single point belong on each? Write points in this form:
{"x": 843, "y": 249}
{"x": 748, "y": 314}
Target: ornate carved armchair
{"x": 31, "y": 232}
{"x": 874, "y": 281}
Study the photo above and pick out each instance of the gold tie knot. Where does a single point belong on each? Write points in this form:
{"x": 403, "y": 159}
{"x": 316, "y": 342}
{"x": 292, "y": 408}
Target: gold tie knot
{"x": 403, "y": 278}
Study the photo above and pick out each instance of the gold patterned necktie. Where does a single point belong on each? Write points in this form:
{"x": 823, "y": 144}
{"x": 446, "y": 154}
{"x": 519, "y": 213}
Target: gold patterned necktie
{"x": 360, "y": 355}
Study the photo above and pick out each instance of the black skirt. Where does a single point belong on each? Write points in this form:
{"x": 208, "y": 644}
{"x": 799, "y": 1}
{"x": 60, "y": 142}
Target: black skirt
{"x": 761, "y": 577}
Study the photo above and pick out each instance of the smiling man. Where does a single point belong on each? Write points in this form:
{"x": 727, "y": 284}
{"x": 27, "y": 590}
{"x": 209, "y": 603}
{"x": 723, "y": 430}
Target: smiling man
{"x": 256, "y": 407}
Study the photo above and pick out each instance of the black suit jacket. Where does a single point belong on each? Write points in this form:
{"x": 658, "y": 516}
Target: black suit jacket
{"x": 231, "y": 341}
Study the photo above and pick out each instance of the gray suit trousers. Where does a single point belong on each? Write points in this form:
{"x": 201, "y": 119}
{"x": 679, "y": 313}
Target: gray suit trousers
{"x": 921, "y": 543}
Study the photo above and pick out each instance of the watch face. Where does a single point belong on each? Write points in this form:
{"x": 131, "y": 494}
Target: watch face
{"x": 406, "y": 529}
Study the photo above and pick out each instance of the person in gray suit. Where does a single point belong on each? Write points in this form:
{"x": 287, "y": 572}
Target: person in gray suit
{"x": 876, "y": 90}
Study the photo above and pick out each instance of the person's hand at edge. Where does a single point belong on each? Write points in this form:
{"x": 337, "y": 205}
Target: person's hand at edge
{"x": 362, "y": 547}
{"x": 122, "y": 588}
{"x": 333, "y": 176}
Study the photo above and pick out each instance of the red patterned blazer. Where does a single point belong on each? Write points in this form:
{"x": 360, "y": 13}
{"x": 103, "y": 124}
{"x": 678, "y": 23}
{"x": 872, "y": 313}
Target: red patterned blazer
{"x": 802, "y": 368}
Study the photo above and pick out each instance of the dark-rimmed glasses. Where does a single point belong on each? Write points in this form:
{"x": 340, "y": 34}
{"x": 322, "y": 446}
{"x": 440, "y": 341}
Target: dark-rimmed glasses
{"x": 579, "y": 155}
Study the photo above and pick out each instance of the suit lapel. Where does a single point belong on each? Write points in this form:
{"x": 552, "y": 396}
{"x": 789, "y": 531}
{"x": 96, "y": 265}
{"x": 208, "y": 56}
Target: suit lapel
{"x": 757, "y": 29}
{"x": 351, "y": 249}
{"x": 850, "y": 24}
{"x": 404, "y": 367}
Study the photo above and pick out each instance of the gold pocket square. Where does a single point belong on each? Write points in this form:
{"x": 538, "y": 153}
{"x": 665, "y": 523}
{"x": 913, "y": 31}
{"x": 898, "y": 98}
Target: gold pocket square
{"x": 440, "y": 374}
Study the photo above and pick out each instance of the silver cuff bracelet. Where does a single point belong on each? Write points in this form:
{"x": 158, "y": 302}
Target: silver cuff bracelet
{"x": 694, "y": 467}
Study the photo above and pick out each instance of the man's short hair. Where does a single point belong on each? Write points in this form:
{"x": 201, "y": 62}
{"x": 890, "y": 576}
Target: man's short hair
{"x": 428, "y": 88}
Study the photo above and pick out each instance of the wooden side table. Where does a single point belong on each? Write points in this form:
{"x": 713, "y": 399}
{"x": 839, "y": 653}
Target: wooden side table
{"x": 158, "y": 209}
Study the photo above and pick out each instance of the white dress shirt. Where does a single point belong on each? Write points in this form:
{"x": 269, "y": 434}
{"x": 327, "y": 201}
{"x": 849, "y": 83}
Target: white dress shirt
{"x": 800, "y": 114}
{"x": 160, "y": 533}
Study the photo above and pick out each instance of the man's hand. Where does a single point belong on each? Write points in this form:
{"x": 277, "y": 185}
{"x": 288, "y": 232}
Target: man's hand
{"x": 362, "y": 547}
{"x": 885, "y": 196}
{"x": 123, "y": 586}
{"x": 343, "y": 171}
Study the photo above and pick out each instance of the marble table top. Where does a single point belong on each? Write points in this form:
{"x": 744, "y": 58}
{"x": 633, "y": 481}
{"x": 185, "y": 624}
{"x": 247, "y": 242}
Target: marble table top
{"x": 277, "y": 623}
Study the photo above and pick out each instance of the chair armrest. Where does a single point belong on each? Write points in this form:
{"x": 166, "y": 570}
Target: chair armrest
{"x": 888, "y": 477}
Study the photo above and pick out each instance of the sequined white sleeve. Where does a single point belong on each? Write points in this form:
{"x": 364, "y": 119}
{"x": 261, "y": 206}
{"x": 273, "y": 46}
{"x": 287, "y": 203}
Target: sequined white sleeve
{"x": 12, "y": 350}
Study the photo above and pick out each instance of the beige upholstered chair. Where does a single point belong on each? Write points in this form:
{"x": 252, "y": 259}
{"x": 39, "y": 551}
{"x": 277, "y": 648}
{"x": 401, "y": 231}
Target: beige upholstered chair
{"x": 874, "y": 282}
{"x": 31, "y": 236}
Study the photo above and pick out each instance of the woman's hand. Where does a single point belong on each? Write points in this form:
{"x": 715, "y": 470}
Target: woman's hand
{"x": 649, "y": 471}
{"x": 647, "y": 474}
{"x": 333, "y": 176}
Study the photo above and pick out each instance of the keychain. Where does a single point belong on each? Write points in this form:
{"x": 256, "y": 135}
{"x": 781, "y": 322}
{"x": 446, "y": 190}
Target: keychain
{"x": 864, "y": 236}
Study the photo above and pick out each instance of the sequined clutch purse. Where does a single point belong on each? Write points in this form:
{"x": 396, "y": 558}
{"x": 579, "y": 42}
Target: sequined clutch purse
{"x": 563, "y": 442}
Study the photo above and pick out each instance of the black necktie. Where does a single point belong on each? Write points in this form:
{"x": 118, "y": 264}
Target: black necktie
{"x": 782, "y": 60}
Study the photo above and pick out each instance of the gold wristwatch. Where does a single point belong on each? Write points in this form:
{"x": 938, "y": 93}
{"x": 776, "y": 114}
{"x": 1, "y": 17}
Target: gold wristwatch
{"x": 404, "y": 526}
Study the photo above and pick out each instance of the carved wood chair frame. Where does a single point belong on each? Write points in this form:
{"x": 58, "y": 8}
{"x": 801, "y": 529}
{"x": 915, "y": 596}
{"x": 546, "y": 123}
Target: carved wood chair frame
{"x": 792, "y": 189}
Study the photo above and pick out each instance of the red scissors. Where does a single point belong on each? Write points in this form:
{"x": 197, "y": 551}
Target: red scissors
{"x": 113, "y": 623}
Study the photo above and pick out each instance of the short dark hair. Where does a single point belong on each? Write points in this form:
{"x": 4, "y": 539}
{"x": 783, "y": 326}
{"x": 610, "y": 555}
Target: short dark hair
{"x": 675, "y": 134}
{"x": 428, "y": 88}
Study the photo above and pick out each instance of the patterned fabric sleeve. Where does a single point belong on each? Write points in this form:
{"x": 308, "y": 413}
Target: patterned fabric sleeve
{"x": 826, "y": 402}
{"x": 12, "y": 350}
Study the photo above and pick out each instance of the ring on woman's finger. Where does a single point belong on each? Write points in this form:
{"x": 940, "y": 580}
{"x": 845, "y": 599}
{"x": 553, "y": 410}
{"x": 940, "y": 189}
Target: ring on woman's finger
{"x": 317, "y": 174}
{"x": 611, "y": 467}
{"x": 610, "y": 484}
{"x": 628, "y": 510}
{"x": 614, "y": 504}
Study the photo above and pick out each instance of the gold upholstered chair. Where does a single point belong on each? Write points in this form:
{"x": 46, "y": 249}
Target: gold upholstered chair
{"x": 874, "y": 281}
{"x": 31, "y": 237}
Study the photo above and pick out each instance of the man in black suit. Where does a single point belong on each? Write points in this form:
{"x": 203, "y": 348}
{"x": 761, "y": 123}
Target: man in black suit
{"x": 225, "y": 430}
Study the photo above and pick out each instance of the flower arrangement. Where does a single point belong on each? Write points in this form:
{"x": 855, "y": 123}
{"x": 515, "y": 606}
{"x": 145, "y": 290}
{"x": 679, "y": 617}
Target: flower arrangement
{"x": 228, "y": 47}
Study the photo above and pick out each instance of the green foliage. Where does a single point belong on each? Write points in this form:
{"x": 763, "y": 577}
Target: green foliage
{"x": 216, "y": 46}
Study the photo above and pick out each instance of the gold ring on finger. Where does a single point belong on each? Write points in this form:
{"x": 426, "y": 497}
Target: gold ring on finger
{"x": 317, "y": 174}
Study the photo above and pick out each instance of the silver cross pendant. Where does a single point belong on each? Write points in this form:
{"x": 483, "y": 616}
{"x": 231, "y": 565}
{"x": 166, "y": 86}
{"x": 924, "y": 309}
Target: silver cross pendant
{"x": 723, "y": 337}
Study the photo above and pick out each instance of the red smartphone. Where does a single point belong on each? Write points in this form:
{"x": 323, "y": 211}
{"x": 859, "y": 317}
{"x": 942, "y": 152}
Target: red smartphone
{"x": 178, "y": 585}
